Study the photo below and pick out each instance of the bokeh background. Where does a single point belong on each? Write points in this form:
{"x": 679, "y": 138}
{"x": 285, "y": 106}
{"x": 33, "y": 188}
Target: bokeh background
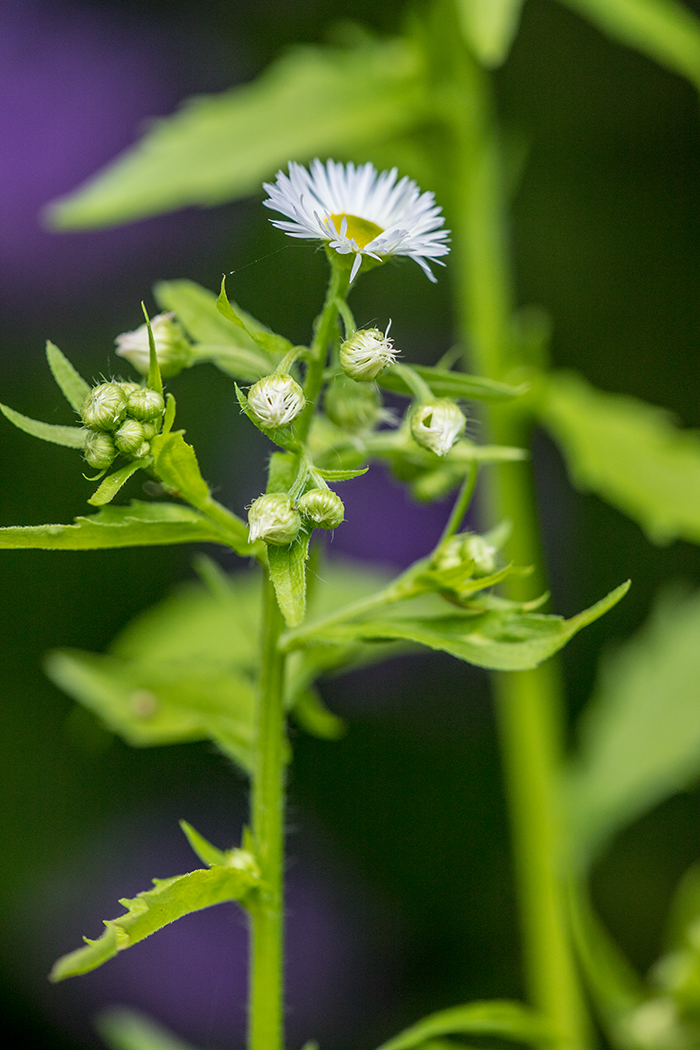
{"x": 401, "y": 896}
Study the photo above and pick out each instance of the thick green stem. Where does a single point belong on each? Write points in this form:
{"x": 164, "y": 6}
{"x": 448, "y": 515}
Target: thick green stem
{"x": 266, "y": 995}
{"x": 529, "y": 703}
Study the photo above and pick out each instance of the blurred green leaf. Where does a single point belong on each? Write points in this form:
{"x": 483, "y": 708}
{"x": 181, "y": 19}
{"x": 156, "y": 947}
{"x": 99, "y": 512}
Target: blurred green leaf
{"x": 111, "y": 485}
{"x": 73, "y": 386}
{"x": 267, "y": 341}
{"x": 500, "y": 639}
{"x": 640, "y": 735}
{"x": 664, "y": 30}
{"x": 489, "y": 27}
{"x": 124, "y": 1029}
{"x": 138, "y": 525}
{"x": 496, "y": 1017}
{"x": 70, "y": 437}
{"x": 445, "y": 383}
{"x": 221, "y": 147}
{"x": 312, "y": 715}
{"x": 288, "y": 574}
{"x": 151, "y": 910}
{"x": 341, "y": 475}
{"x": 629, "y": 453}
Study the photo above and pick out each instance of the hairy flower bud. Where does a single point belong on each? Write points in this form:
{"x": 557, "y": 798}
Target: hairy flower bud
{"x": 276, "y": 400}
{"x": 104, "y": 407}
{"x": 366, "y": 354}
{"x": 353, "y": 406}
{"x": 322, "y": 508}
{"x": 482, "y": 553}
{"x": 172, "y": 347}
{"x": 145, "y": 405}
{"x": 437, "y": 426}
{"x": 99, "y": 450}
{"x": 129, "y": 437}
{"x": 272, "y": 518}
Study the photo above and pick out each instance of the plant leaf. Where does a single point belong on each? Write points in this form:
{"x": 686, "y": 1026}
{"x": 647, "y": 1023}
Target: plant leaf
{"x": 246, "y": 366}
{"x": 151, "y": 910}
{"x": 111, "y": 485}
{"x": 489, "y": 27}
{"x": 207, "y": 853}
{"x": 312, "y": 715}
{"x": 664, "y": 30}
{"x": 70, "y": 437}
{"x": 261, "y": 335}
{"x": 155, "y": 381}
{"x": 500, "y": 639}
{"x": 629, "y": 453}
{"x": 138, "y": 525}
{"x": 125, "y": 1029}
{"x": 445, "y": 383}
{"x": 640, "y": 734}
{"x": 340, "y": 475}
{"x": 496, "y": 1017}
{"x": 221, "y": 147}
{"x": 73, "y": 386}
{"x": 288, "y": 575}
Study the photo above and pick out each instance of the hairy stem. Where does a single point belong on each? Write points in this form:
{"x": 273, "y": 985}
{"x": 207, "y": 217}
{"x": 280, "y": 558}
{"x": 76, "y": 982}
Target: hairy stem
{"x": 266, "y": 993}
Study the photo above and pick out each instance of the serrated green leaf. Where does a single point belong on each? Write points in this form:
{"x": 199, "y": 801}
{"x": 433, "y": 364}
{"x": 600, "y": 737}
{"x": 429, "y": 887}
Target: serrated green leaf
{"x": 205, "y": 851}
{"x": 111, "y": 485}
{"x": 151, "y": 910}
{"x": 124, "y": 1029}
{"x": 445, "y": 383}
{"x": 288, "y": 575}
{"x": 281, "y": 436}
{"x": 150, "y": 703}
{"x": 501, "y": 640}
{"x": 138, "y": 525}
{"x": 70, "y": 437}
{"x": 221, "y": 147}
{"x": 73, "y": 386}
{"x": 640, "y": 735}
{"x": 496, "y": 1017}
{"x": 664, "y": 30}
{"x": 341, "y": 475}
{"x": 489, "y": 27}
{"x": 312, "y": 715}
{"x": 629, "y": 453}
{"x": 266, "y": 340}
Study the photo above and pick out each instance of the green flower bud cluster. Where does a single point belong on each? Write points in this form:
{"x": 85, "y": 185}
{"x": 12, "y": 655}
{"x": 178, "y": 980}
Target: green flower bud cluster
{"x": 468, "y": 546}
{"x": 120, "y": 418}
{"x": 275, "y": 519}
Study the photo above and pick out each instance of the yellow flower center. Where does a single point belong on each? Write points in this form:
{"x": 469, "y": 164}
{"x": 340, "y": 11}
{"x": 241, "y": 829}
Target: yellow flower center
{"x": 361, "y": 231}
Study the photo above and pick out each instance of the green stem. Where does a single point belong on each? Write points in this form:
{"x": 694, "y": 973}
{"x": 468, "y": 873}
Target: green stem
{"x": 266, "y": 994}
{"x": 529, "y": 703}
{"x": 323, "y": 332}
{"x": 461, "y": 505}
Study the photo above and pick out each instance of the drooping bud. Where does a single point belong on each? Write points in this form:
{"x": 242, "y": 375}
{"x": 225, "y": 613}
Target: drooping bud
{"x": 129, "y": 437}
{"x": 482, "y": 553}
{"x": 322, "y": 508}
{"x": 272, "y": 518}
{"x": 276, "y": 400}
{"x": 437, "y": 426}
{"x": 353, "y": 406}
{"x": 145, "y": 405}
{"x": 172, "y": 347}
{"x": 104, "y": 407}
{"x": 99, "y": 450}
{"x": 366, "y": 354}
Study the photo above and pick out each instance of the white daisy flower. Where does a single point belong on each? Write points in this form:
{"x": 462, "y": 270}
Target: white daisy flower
{"x": 357, "y": 210}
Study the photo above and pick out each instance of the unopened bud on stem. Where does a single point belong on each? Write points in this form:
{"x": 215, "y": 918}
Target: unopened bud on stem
{"x": 276, "y": 400}
{"x": 366, "y": 354}
{"x": 437, "y": 426}
{"x": 145, "y": 404}
{"x": 130, "y": 437}
{"x": 99, "y": 450}
{"x": 172, "y": 347}
{"x": 353, "y": 406}
{"x": 322, "y": 508}
{"x": 272, "y": 518}
{"x": 104, "y": 407}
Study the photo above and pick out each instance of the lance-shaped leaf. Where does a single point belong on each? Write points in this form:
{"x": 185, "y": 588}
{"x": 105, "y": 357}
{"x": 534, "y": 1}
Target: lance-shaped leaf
{"x": 640, "y": 735}
{"x": 124, "y": 1029}
{"x": 266, "y": 340}
{"x": 489, "y": 27}
{"x": 70, "y": 437}
{"x": 500, "y": 639}
{"x": 312, "y": 715}
{"x": 73, "y": 386}
{"x": 138, "y": 525}
{"x": 288, "y": 574}
{"x": 499, "y": 1018}
{"x": 341, "y": 475}
{"x": 111, "y": 485}
{"x": 664, "y": 30}
{"x": 151, "y": 910}
{"x": 445, "y": 383}
{"x": 629, "y": 453}
{"x": 221, "y": 147}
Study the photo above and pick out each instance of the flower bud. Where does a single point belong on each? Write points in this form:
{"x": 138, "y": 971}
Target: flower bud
{"x": 145, "y": 404}
{"x": 482, "y": 553}
{"x": 129, "y": 388}
{"x": 322, "y": 508}
{"x": 104, "y": 407}
{"x": 276, "y": 400}
{"x": 149, "y": 431}
{"x": 352, "y": 406}
{"x": 366, "y": 354}
{"x": 129, "y": 437}
{"x": 272, "y": 518}
{"x": 437, "y": 426}
{"x": 99, "y": 450}
{"x": 172, "y": 347}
